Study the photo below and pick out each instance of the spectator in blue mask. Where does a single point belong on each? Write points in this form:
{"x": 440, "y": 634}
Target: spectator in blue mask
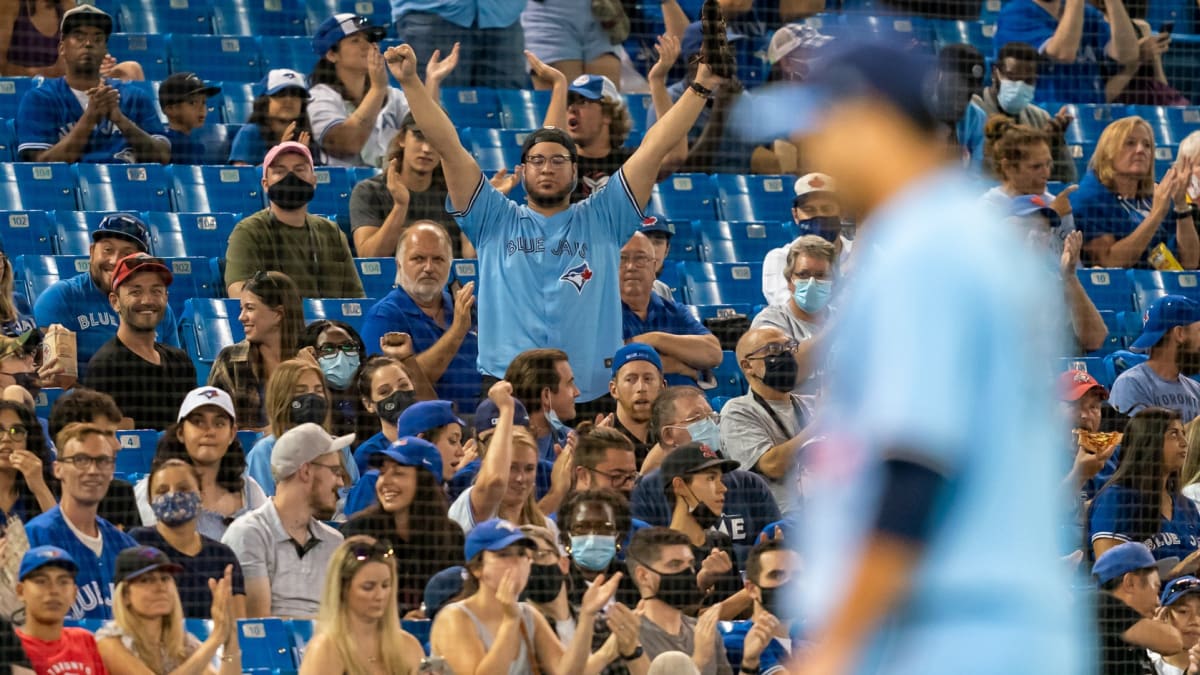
{"x": 339, "y": 350}
{"x": 810, "y": 271}
{"x": 817, "y": 211}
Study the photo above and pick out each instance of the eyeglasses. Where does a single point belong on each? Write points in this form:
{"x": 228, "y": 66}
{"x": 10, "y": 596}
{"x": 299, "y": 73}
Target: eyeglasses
{"x": 82, "y": 462}
{"x": 774, "y": 349}
{"x": 714, "y": 417}
{"x": 329, "y": 350}
{"x": 335, "y": 468}
{"x": 556, "y": 161}
{"x": 619, "y": 479}
{"x": 17, "y": 432}
{"x": 639, "y": 261}
{"x": 380, "y": 550}
{"x": 545, "y": 556}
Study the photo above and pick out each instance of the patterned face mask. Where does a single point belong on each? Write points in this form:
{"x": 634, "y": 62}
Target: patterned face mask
{"x": 176, "y": 508}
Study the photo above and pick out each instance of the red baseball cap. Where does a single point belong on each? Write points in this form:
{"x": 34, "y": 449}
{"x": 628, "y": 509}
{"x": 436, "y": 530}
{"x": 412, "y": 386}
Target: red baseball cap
{"x": 140, "y": 262}
{"x": 1073, "y": 384}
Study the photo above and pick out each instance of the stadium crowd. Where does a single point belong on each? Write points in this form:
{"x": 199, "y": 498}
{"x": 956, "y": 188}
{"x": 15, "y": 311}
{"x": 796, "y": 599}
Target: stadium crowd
{"x": 525, "y": 473}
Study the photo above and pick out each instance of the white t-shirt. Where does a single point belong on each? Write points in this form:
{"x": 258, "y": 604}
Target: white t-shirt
{"x": 327, "y": 109}
{"x": 774, "y": 284}
{"x": 96, "y": 544}
{"x": 461, "y": 513}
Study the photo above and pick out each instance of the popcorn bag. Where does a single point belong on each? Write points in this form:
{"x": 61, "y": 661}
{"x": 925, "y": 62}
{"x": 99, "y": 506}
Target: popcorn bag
{"x": 1163, "y": 260}
{"x": 59, "y": 343}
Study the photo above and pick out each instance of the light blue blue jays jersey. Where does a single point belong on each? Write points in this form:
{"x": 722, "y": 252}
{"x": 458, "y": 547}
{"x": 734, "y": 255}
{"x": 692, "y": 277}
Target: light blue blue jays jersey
{"x": 93, "y": 599}
{"x": 944, "y": 350}
{"x": 49, "y": 112}
{"x": 551, "y": 282}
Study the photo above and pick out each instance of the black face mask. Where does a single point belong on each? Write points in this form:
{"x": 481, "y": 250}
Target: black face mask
{"x": 679, "y": 590}
{"x": 29, "y": 382}
{"x": 545, "y": 583}
{"x": 309, "y": 408}
{"x": 291, "y": 193}
{"x": 774, "y": 600}
{"x": 389, "y": 409}
{"x": 780, "y": 372}
{"x": 703, "y": 515}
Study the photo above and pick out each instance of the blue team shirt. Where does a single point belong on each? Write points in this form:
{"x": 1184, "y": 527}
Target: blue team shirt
{"x": 184, "y": 149}
{"x": 248, "y": 146}
{"x": 551, "y": 282}
{"x": 78, "y": 305}
{"x": 363, "y": 452}
{"x": 948, "y": 357}
{"x": 1113, "y": 514}
{"x": 1078, "y": 82}
{"x": 49, "y": 112}
{"x": 94, "y": 597}
{"x": 666, "y": 316}
{"x": 1099, "y": 211}
{"x": 396, "y": 311}
{"x": 775, "y": 656}
{"x": 465, "y": 13}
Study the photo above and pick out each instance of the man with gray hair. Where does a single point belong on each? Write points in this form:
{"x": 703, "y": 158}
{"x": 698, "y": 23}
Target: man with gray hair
{"x": 442, "y": 327}
{"x": 283, "y": 546}
{"x": 809, "y": 272}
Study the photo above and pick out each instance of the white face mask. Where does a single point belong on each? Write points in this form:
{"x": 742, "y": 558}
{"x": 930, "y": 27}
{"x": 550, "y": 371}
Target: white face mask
{"x": 1194, "y": 188}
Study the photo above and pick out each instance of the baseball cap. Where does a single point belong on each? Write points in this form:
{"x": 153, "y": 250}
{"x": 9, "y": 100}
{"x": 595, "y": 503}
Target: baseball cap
{"x": 442, "y": 587}
{"x": 339, "y": 26}
{"x": 812, "y": 183}
{"x": 635, "y": 351}
{"x": 179, "y": 87}
{"x": 1073, "y": 384}
{"x": 413, "y": 451}
{"x": 86, "y": 15}
{"x": 693, "y": 39}
{"x": 1122, "y": 559}
{"x": 135, "y": 561}
{"x": 1178, "y": 587}
{"x": 549, "y": 135}
{"x": 595, "y": 87}
{"x": 136, "y": 263}
{"x": 656, "y": 225}
{"x": 282, "y": 79}
{"x": 1027, "y": 205}
{"x": 487, "y": 415}
{"x": 284, "y": 148}
{"x": 42, "y": 556}
{"x": 123, "y": 226}
{"x": 791, "y": 37}
{"x": 693, "y": 458}
{"x": 303, "y": 444}
{"x": 496, "y": 534}
{"x": 425, "y": 415}
{"x": 202, "y": 396}
{"x": 1166, "y": 313}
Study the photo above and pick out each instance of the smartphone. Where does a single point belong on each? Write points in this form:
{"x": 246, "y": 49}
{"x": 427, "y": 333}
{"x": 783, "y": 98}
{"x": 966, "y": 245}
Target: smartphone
{"x": 1166, "y": 28}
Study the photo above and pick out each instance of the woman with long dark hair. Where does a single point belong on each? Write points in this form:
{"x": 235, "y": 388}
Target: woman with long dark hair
{"x": 385, "y": 390}
{"x": 279, "y": 113}
{"x": 26, "y": 483}
{"x": 339, "y": 351}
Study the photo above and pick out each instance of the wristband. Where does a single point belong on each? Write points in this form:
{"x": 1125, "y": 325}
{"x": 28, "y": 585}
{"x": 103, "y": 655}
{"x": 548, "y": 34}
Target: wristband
{"x": 637, "y": 654}
{"x": 1183, "y": 213}
{"x": 749, "y": 671}
{"x": 701, "y": 89}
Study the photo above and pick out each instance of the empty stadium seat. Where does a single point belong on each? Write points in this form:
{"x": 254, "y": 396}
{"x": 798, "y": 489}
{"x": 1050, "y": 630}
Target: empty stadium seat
{"x": 8, "y": 140}
{"x": 754, "y": 197}
{"x": 378, "y": 11}
{"x": 975, "y": 33}
{"x": 721, "y": 283}
{"x": 639, "y": 105}
{"x": 37, "y": 272}
{"x": 1108, "y": 288}
{"x": 266, "y": 646}
{"x": 176, "y": 16}
{"x": 288, "y": 52}
{"x": 216, "y": 57}
{"x": 1149, "y": 285}
{"x": 347, "y": 310}
{"x": 71, "y": 231}
{"x": 1115, "y": 339}
{"x": 123, "y": 187}
{"x": 137, "y": 451}
{"x": 495, "y": 149}
{"x": 26, "y": 233}
{"x": 684, "y": 196}
{"x": 258, "y": 17}
{"x": 37, "y": 186}
{"x": 472, "y": 107}
{"x": 12, "y": 89}
{"x": 45, "y": 400}
{"x": 236, "y": 102}
{"x": 148, "y": 49}
{"x": 229, "y": 189}
{"x": 191, "y": 234}
{"x": 739, "y": 242}
{"x": 206, "y": 326}
{"x": 378, "y": 275}
{"x": 1090, "y": 121}
{"x": 332, "y": 197}
{"x": 728, "y": 376}
{"x": 522, "y": 108}
{"x": 194, "y": 278}
{"x": 1117, "y": 363}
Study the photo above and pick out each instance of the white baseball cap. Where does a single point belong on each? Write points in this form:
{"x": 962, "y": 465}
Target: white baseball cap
{"x": 814, "y": 182}
{"x": 202, "y": 396}
{"x": 301, "y": 445}
{"x": 280, "y": 79}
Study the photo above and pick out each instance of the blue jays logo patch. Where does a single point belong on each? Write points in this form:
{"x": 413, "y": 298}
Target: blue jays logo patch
{"x": 578, "y": 276}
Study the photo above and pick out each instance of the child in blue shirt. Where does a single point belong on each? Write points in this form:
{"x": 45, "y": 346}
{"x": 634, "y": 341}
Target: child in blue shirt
{"x": 183, "y": 98}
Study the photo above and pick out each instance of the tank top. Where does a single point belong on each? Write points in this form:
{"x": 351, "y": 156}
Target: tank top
{"x": 520, "y": 665}
{"x": 29, "y": 47}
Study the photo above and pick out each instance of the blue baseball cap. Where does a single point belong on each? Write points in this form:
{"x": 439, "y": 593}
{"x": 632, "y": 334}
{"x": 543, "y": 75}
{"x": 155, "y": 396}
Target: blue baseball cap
{"x": 1028, "y": 205}
{"x": 656, "y": 225}
{"x": 413, "y": 451}
{"x": 496, "y": 534}
{"x": 1178, "y": 587}
{"x": 693, "y": 39}
{"x": 339, "y": 26}
{"x": 1166, "y": 313}
{"x": 425, "y": 415}
{"x": 123, "y": 226}
{"x": 42, "y": 556}
{"x": 442, "y": 587}
{"x": 595, "y": 87}
{"x": 487, "y": 415}
{"x": 282, "y": 79}
{"x": 635, "y": 351}
{"x": 1121, "y": 560}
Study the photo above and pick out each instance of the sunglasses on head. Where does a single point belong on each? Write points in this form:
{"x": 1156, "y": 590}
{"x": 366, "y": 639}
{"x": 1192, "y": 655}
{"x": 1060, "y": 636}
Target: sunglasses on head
{"x": 380, "y": 550}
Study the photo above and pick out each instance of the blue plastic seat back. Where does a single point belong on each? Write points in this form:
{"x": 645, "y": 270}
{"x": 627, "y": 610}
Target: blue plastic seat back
{"x": 12, "y": 90}
{"x": 522, "y": 108}
{"x": 347, "y": 310}
{"x": 472, "y": 107}
{"x": 1108, "y": 288}
{"x": 266, "y": 646}
{"x": 26, "y": 233}
{"x": 332, "y": 198}
{"x": 236, "y": 102}
{"x": 258, "y": 17}
{"x": 378, "y": 275}
{"x": 149, "y": 50}
{"x": 72, "y": 230}
{"x": 177, "y": 16}
{"x": 754, "y": 198}
{"x": 216, "y": 57}
{"x": 204, "y": 235}
{"x": 137, "y": 451}
{"x": 722, "y": 283}
{"x": 37, "y": 272}
{"x": 206, "y": 326}
{"x": 292, "y": 52}
{"x": 213, "y": 189}
{"x": 37, "y": 186}
{"x": 123, "y": 187}
{"x": 8, "y": 140}
{"x": 684, "y": 196}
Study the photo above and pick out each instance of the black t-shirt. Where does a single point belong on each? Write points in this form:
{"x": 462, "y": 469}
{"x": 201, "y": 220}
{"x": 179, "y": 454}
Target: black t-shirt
{"x": 147, "y": 393}
{"x": 594, "y": 172}
{"x": 416, "y": 560}
{"x": 1117, "y": 657}
{"x": 640, "y": 449}
{"x": 370, "y": 204}
{"x": 192, "y": 583}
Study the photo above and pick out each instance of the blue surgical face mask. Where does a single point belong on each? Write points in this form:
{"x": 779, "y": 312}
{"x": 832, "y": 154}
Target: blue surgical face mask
{"x": 1014, "y": 96}
{"x": 707, "y": 432}
{"x": 176, "y": 508}
{"x": 339, "y": 368}
{"x": 593, "y": 552}
{"x": 555, "y": 423}
{"x": 812, "y": 295}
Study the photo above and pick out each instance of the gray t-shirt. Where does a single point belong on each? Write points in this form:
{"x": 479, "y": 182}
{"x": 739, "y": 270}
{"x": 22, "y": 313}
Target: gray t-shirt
{"x": 781, "y": 317}
{"x": 370, "y": 204}
{"x": 1141, "y": 387}
{"x": 657, "y": 641}
{"x": 748, "y": 431}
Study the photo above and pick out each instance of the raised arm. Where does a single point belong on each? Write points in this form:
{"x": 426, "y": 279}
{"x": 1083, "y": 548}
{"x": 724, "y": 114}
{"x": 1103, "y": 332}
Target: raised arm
{"x": 1089, "y": 327}
{"x": 1123, "y": 46}
{"x": 1063, "y": 46}
{"x": 556, "y": 112}
{"x": 492, "y": 481}
{"x": 461, "y": 170}
{"x": 668, "y": 52}
{"x": 348, "y": 138}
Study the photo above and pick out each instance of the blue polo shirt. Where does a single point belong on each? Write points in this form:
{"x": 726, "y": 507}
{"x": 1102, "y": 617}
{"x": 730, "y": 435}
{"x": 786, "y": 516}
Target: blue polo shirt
{"x": 1078, "y": 82}
{"x": 396, "y": 311}
{"x": 78, "y": 305}
{"x": 93, "y": 599}
{"x": 1114, "y": 513}
{"x": 49, "y": 112}
{"x": 465, "y": 13}
{"x": 664, "y": 316}
{"x": 1099, "y": 211}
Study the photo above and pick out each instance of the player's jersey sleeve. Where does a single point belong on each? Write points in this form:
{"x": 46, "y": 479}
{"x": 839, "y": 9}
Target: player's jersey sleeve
{"x": 614, "y": 207}
{"x": 485, "y": 215}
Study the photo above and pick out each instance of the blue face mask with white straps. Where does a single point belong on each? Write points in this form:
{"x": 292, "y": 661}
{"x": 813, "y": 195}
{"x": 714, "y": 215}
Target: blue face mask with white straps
{"x": 593, "y": 552}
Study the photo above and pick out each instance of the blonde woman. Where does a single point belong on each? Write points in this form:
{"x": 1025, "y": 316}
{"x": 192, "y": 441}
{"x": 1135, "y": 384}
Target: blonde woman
{"x": 1122, "y": 213}
{"x": 358, "y": 629}
{"x": 147, "y": 634}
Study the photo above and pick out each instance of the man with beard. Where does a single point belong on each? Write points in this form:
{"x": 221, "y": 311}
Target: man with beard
{"x": 1172, "y": 336}
{"x": 549, "y": 267}
{"x": 685, "y": 345}
{"x": 764, "y": 643}
{"x": 147, "y": 380}
{"x": 81, "y": 302}
{"x": 442, "y": 327}
{"x": 84, "y": 117}
{"x": 637, "y": 379}
{"x": 285, "y": 237}
{"x": 283, "y": 546}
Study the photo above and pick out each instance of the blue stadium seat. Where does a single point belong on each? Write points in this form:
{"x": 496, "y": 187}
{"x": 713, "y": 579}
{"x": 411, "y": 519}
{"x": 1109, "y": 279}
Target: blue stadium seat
{"x": 206, "y": 326}
{"x": 38, "y": 272}
{"x": 472, "y": 107}
{"x": 332, "y": 197}
{"x": 522, "y": 108}
{"x": 754, "y": 197}
{"x": 897, "y": 28}
{"x": 201, "y": 628}
{"x": 123, "y": 187}
{"x": 1090, "y": 120}
{"x": 194, "y": 278}
{"x": 722, "y": 283}
{"x": 26, "y": 233}
{"x": 1164, "y": 159}
{"x": 1115, "y": 339}
{"x": 258, "y": 17}
{"x": 210, "y": 189}
{"x": 71, "y": 231}
{"x": 495, "y": 149}
{"x": 463, "y": 271}
{"x": 287, "y": 52}
{"x": 685, "y": 242}
{"x": 378, "y": 275}
{"x": 672, "y": 276}
{"x": 154, "y": 16}
{"x": 302, "y": 631}
{"x": 148, "y": 49}
{"x": 718, "y": 249}
{"x": 1183, "y": 120}
{"x": 348, "y": 310}
{"x": 975, "y": 33}
{"x": 379, "y": 11}
{"x": 684, "y": 196}
{"x": 236, "y": 102}
{"x": 1149, "y": 285}
{"x": 216, "y": 57}
{"x": 1128, "y": 327}
{"x": 266, "y": 646}
{"x": 12, "y": 89}
{"x": 36, "y": 186}
{"x": 46, "y": 399}
{"x": 1117, "y": 363}
{"x": 205, "y": 235}
{"x": 247, "y": 437}
{"x": 729, "y": 380}
{"x": 8, "y": 140}
{"x": 1108, "y": 288}
{"x": 418, "y": 628}
{"x": 639, "y": 105}
{"x": 137, "y": 451}
{"x": 215, "y": 138}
